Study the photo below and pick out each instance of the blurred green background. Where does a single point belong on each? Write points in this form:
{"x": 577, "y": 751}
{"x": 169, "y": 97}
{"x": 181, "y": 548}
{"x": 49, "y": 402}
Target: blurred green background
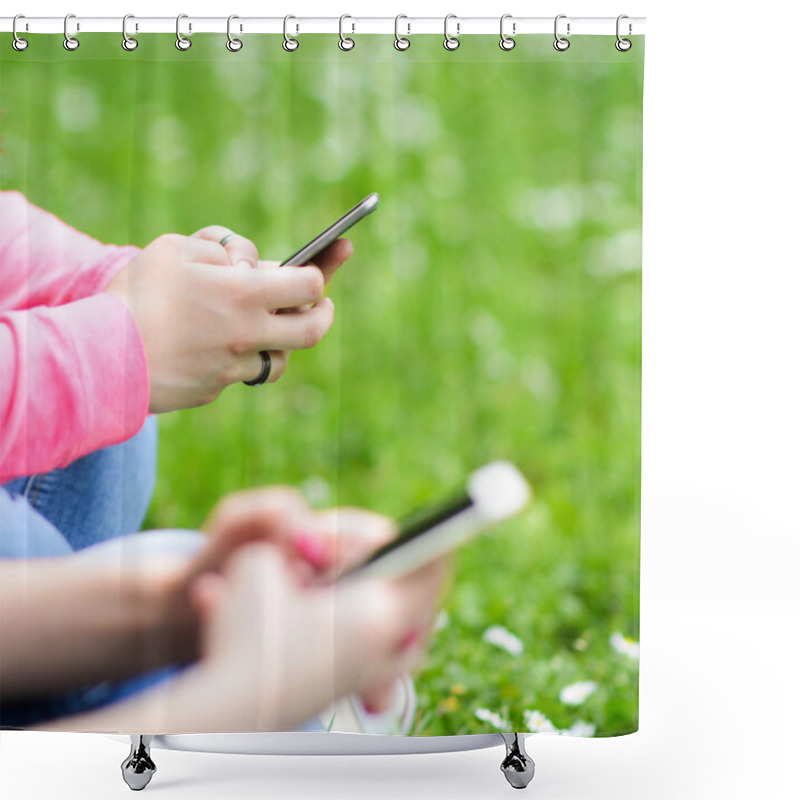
{"x": 491, "y": 310}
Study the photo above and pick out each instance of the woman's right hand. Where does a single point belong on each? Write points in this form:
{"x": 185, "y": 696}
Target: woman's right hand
{"x": 203, "y": 327}
{"x": 280, "y": 652}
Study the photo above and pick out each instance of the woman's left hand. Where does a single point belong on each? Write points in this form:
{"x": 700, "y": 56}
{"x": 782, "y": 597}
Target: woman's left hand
{"x": 315, "y": 544}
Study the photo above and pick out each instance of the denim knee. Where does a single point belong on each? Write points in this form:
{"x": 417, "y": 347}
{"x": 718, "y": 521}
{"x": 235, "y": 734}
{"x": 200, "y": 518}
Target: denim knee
{"x": 100, "y": 496}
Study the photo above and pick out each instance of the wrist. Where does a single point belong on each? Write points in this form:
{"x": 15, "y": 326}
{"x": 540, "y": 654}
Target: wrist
{"x": 238, "y": 701}
{"x": 171, "y": 627}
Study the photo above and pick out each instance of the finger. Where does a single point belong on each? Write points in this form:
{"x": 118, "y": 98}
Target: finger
{"x": 242, "y": 251}
{"x": 276, "y": 265}
{"x": 332, "y": 257}
{"x": 379, "y": 699}
{"x": 252, "y": 364}
{"x": 238, "y": 248}
{"x": 380, "y": 693}
{"x": 298, "y": 330}
{"x": 357, "y": 524}
{"x": 202, "y": 251}
{"x": 279, "y": 360}
{"x": 212, "y": 233}
{"x": 371, "y": 617}
{"x": 423, "y": 590}
{"x": 265, "y": 515}
{"x": 353, "y": 533}
{"x": 340, "y": 535}
{"x": 287, "y": 287}
{"x": 424, "y": 583}
{"x": 411, "y": 607}
{"x": 264, "y": 509}
{"x": 334, "y": 539}
{"x": 304, "y": 574}
{"x": 316, "y": 550}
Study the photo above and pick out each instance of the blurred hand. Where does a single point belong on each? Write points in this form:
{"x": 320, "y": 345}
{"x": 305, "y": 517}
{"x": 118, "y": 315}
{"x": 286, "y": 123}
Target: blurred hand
{"x": 364, "y": 634}
{"x": 317, "y": 544}
{"x": 203, "y": 327}
{"x": 272, "y": 645}
{"x": 279, "y": 652}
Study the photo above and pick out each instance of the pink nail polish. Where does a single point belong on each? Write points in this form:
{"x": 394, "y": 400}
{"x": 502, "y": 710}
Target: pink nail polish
{"x": 312, "y": 549}
{"x": 370, "y": 709}
{"x": 410, "y": 639}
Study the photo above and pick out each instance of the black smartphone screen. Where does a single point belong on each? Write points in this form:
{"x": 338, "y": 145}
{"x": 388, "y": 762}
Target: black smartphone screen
{"x": 418, "y": 524}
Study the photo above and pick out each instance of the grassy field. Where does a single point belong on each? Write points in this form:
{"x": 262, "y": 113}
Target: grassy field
{"x": 491, "y": 310}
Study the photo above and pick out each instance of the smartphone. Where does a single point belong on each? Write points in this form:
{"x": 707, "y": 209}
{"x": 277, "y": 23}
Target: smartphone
{"x": 492, "y": 493}
{"x": 331, "y": 234}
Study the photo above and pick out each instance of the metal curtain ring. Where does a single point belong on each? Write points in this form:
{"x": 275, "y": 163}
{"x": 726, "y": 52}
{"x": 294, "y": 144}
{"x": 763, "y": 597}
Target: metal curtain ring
{"x": 623, "y": 45}
{"x": 233, "y": 44}
{"x": 266, "y": 368}
{"x": 290, "y": 44}
{"x": 561, "y": 44}
{"x": 19, "y": 43}
{"x": 346, "y": 42}
{"x": 70, "y": 42}
{"x": 128, "y": 42}
{"x": 181, "y": 42}
{"x": 400, "y": 42}
{"x": 451, "y": 42}
{"x": 506, "y": 42}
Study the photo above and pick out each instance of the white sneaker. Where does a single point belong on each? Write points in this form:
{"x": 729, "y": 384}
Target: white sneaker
{"x": 348, "y": 715}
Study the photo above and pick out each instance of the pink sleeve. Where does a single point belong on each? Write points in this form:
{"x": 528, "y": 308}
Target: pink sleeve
{"x": 73, "y": 372}
{"x": 45, "y": 262}
{"x": 73, "y": 380}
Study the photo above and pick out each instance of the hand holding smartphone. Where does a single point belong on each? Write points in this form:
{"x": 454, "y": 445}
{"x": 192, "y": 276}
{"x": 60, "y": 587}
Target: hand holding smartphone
{"x": 494, "y": 492}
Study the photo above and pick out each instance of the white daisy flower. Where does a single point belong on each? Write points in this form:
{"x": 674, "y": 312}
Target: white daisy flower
{"x": 580, "y": 728}
{"x": 503, "y": 638}
{"x": 442, "y": 618}
{"x": 576, "y": 693}
{"x": 624, "y": 645}
{"x": 538, "y": 722}
{"x": 499, "y": 722}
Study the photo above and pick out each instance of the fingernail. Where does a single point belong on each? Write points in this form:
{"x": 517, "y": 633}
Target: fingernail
{"x": 410, "y": 639}
{"x": 313, "y": 549}
{"x": 245, "y": 264}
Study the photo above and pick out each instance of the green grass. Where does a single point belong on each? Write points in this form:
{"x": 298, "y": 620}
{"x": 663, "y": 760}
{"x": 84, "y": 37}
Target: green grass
{"x": 491, "y": 310}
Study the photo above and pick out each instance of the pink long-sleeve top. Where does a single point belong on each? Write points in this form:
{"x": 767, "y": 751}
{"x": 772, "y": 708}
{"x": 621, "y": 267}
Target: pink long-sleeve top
{"x": 73, "y": 372}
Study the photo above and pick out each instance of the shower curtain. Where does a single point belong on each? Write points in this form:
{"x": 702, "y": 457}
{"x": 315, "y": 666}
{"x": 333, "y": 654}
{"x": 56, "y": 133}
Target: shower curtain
{"x": 491, "y": 310}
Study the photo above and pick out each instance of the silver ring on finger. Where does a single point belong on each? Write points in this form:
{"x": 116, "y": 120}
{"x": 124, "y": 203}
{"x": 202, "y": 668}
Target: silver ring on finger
{"x": 266, "y": 367}
{"x": 226, "y": 238}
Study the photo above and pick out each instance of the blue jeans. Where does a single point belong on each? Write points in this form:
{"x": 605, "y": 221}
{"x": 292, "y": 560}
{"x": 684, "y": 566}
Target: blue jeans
{"x": 99, "y": 497}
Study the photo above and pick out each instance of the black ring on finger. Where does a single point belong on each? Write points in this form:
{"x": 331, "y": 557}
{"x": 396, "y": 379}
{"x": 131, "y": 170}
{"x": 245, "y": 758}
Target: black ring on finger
{"x": 266, "y": 366}
{"x": 226, "y": 238}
